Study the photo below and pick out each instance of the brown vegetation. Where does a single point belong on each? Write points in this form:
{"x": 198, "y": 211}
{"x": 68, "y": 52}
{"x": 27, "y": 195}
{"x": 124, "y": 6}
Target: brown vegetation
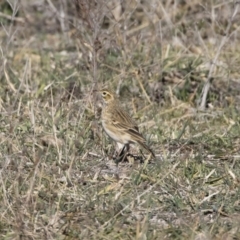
{"x": 175, "y": 65}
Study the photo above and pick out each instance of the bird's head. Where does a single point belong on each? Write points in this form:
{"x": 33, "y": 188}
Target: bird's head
{"x": 107, "y": 95}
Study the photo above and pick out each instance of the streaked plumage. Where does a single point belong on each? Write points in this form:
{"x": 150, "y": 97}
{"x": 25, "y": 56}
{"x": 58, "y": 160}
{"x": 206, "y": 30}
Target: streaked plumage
{"x": 118, "y": 124}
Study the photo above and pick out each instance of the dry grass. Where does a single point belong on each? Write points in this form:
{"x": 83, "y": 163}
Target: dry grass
{"x": 58, "y": 180}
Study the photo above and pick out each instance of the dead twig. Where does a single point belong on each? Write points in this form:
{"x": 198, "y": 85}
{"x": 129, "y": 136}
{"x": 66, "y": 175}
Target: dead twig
{"x": 206, "y": 87}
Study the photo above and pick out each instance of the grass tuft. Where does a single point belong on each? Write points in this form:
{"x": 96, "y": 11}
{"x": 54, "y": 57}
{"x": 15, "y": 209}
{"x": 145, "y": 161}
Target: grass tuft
{"x": 58, "y": 178}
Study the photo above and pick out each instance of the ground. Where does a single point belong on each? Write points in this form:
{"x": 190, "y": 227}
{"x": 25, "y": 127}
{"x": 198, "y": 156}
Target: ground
{"x": 58, "y": 177}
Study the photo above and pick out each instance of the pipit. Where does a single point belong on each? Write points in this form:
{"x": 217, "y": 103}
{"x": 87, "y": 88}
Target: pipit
{"x": 118, "y": 124}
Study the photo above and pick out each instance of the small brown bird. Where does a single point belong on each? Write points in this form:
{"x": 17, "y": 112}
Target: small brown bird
{"x": 118, "y": 124}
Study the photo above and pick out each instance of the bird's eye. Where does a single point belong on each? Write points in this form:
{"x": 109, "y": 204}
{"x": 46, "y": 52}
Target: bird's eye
{"x": 104, "y": 93}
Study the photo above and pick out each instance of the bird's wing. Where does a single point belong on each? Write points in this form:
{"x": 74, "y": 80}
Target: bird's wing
{"x": 123, "y": 117}
{"x": 131, "y": 130}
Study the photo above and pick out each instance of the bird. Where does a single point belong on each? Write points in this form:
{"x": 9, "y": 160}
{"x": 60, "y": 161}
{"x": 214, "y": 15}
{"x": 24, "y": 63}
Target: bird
{"x": 119, "y": 125}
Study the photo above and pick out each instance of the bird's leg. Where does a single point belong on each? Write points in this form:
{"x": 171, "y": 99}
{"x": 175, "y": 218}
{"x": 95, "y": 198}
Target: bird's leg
{"x": 122, "y": 151}
{"x": 122, "y": 154}
{"x": 117, "y": 149}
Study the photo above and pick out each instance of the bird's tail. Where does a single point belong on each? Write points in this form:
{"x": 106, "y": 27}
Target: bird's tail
{"x": 144, "y": 145}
